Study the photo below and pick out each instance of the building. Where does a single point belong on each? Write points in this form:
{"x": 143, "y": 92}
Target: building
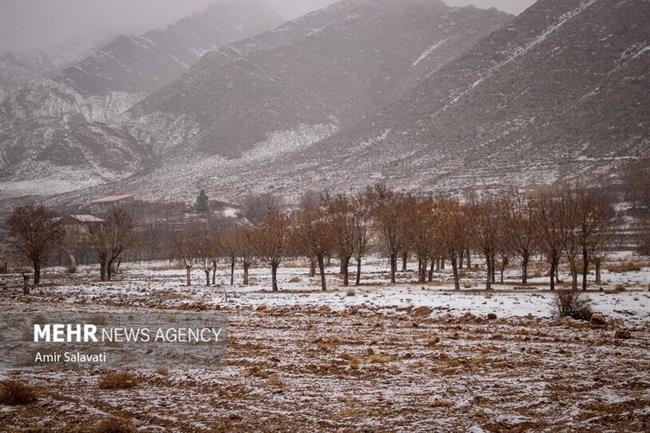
{"x": 105, "y": 204}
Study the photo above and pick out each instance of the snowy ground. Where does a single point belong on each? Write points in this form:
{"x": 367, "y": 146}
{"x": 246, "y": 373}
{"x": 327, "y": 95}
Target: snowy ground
{"x": 304, "y": 360}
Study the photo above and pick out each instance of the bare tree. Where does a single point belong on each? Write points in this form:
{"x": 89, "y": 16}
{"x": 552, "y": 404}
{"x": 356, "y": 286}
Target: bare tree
{"x": 256, "y": 208}
{"x": 270, "y": 241}
{"x": 110, "y": 239}
{"x": 361, "y": 229}
{"x": 592, "y": 226}
{"x": 521, "y": 226}
{"x": 419, "y": 218}
{"x": 33, "y": 231}
{"x": 206, "y": 246}
{"x": 185, "y": 249}
{"x": 548, "y": 210}
{"x": 389, "y": 223}
{"x": 314, "y": 231}
{"x": 452, "y": 232}
{"x": 485, "y": 228}
{"x": 341, "y": 214}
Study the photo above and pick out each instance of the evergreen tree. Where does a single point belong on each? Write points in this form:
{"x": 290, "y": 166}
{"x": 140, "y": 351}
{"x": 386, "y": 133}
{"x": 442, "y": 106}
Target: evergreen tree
{"x": 201, "y": 205}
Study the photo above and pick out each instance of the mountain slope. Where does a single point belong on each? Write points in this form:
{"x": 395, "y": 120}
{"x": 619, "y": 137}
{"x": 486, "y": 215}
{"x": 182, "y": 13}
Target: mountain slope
{"x": 45, "y": 127}
{"x": 330, "y": 67}
{"x": 251, "y": 105}
{"x": 560, "y": 92}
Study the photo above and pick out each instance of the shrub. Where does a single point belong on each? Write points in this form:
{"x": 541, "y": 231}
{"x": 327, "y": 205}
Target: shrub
{"x": 571, "y": 303}
{"x": 117, "y": 380}
{"x": 619, "y": 268}
{"x": 13, "y": 393}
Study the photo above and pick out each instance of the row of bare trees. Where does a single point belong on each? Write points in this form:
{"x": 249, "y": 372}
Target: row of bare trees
{"x": 567, "y": 225}
{"x": 561, "y": 225}
{"x": 35, "y": 231}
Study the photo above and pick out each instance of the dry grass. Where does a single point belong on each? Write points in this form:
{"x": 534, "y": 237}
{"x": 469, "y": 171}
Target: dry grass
{"x": 111, "y": 425}
{"x": 622, "y": 267}
{"x": 117, "y": 380}
{"x": 14, "y": 393}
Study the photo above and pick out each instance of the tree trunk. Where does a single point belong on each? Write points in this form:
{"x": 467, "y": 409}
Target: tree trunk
{"x": 246, "y": 266}
{"x": 437, "y": 264}
{"x": 358, "y": 279}
{"x": 232, "y": 269}
{"x": 274, "y": 276}
{"x": 442, "y": 263}
{"x": 488, "y": 280}
{"x": 430, "y": 276}
{"x": 552, "y": 273}
{"x": 422, "y": 269}
{"x": 597, "y": 270}
{"x": 494, "y": 268}
{"x": 321, "y": 269}
{"x": 405, "y": 259}
{"x": 574, "y": 275}
{"x": 109, "y": 270}
{"x": 187, "y": 271}
{"x": 501, "y": 276}
{"x": 489, "y": 263}
{"x": 312, "y": 267}
{"x": 37, "y": 271}
{"x": 102, "y": 269}
{"x": 454, "y": 268}
{"x": 557, "y": 272}
{"x": 25, "y": 284}
{"x": 585, "y": 269}
{"x": 214, "y": 272}
{"x": 393, "y": 267}
{"x": 72, "y": 266}
{"x": 469, "y": 260}
{"x": 344, "y": 268}
{"x": 524, "y": 267}
{"x": 460, "y": 261}
{"x": 207, "y": 277}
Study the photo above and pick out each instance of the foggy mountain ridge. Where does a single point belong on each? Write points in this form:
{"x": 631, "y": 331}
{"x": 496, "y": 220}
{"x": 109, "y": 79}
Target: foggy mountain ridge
{"x": 60, "y": 128}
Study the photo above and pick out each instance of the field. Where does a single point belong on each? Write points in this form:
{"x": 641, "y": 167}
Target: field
{"x": 389, "y": 358}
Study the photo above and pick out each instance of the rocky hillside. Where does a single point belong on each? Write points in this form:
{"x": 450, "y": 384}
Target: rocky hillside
{"x": 324, "y": 71}
{"x": 557, "y": 93}
{"x": 560, "y": 92}
{"x": 62, "y": 125}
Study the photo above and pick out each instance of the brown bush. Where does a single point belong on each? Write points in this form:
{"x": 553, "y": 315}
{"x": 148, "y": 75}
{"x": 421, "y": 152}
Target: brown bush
{"x": 117, "y": 380}
{"x": 619, "y": 268}
{"x": 13, "y": 393}
{"x": 571, "y": 303}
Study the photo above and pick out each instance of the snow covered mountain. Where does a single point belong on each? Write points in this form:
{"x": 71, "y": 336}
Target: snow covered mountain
{"x": 60, "y": 125}
{"x": 325, "y": 70}
{"x": 560, "y": 92}
{"x": 412, "y": 93}
{"x": 18, "y": 69}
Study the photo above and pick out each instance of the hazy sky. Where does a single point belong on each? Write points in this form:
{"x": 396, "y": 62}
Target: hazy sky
{"x": 32, "y": 24}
